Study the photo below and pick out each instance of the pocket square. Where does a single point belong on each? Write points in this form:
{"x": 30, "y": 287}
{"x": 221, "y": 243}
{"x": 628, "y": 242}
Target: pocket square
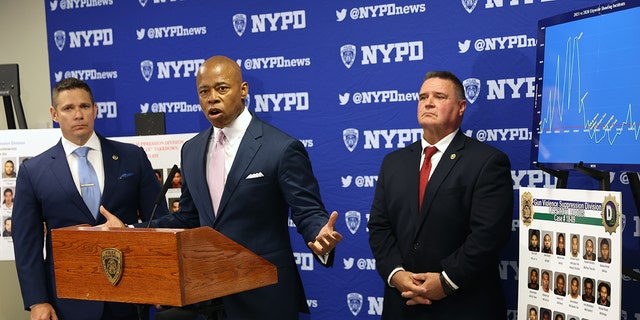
{"x": 125, "y": 175}
{"x": 255, "y": 175}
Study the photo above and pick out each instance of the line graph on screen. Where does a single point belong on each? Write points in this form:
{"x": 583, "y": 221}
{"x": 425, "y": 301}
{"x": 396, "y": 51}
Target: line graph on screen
{"x": 600, "y": 127}
{"x": 587, "y": 90}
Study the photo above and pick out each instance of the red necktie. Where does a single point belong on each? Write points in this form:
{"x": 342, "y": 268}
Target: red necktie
{"x": 425, "y": 170}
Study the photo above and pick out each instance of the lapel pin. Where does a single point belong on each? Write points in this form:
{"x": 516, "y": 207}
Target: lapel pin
{"x": 114, "y": 157}
{"x": 453, "y": 156}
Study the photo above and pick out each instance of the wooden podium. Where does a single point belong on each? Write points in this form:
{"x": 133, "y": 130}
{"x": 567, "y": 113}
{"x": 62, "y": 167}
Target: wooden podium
{"x": 173, "y": 267}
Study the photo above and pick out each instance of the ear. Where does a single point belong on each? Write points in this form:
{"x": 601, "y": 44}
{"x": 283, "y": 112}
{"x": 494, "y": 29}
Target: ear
{"x": 95, "y": 110}
{"x": 54, "y": 113}
{"x": 244, "y": 90}
{"x": 463, "y": 107}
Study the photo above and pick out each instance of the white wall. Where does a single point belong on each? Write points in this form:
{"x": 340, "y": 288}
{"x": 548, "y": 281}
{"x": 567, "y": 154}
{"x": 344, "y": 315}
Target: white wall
{"x": 23, "y": 41}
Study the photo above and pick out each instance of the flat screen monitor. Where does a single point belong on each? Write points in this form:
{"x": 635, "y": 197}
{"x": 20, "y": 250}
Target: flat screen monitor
{"x": 587, "y": 104}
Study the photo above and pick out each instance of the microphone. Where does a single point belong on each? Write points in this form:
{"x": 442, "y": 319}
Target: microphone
{"x": 163, "y": 192}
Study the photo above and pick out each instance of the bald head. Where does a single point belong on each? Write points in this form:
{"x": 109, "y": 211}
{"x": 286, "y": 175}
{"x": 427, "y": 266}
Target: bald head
{"x": 221, "y": 63}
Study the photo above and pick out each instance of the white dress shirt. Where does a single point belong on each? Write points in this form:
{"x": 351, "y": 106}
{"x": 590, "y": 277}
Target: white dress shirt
{"x": 94, "y": 157}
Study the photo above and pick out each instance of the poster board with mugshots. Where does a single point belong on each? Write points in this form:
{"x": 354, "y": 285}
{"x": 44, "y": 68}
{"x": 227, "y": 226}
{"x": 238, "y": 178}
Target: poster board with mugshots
{"x": 17, "y": 146}
{"x": 570, "y": 254}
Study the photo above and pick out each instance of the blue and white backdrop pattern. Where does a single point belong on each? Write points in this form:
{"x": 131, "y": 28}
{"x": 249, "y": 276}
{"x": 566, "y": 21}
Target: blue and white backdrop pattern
{"x": 341, "y": 76}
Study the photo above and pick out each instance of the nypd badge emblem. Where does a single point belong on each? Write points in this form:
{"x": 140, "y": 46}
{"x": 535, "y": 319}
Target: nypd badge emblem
{"x": 354, "y": 301}
{"x": 469, "y": 5}
{"x": 348, "y": 55}
{"x": 112, "y": 264}
{"x": 146, "y": 68}
{"x": 239, "y": 23}
{"x": 352, "y": 218}
{"x": 350, "y": 138}
{"x": 60, "y": 37}
{"x": 471, "y": 89}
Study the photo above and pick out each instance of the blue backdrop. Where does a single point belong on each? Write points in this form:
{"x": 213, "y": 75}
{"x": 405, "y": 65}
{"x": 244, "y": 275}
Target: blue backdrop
{"x": 325, "y": 71}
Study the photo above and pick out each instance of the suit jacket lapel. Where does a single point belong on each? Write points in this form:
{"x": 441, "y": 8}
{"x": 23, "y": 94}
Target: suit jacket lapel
{"x": 60, "y": 168}
{"x": 413, "y": 176}
{"x": 247, "y": 150}
{"x": 198, "y": 187}
{"x": 111, "y": 168}
{"x": 450, "y": 157}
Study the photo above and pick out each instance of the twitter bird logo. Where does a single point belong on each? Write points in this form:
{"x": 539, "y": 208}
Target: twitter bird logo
{"x": 463, "y": 46}
{"x": 53, "y": 5}
{"x": 344, "y": 98}
{"x": 348, "y": 263}
{"x": 340, "y": 15}
{"x": 140, "y": 34}
{"x": 144, "y": 107}
{"x": 346, "y": 181}
{"x": 58, "y": 76}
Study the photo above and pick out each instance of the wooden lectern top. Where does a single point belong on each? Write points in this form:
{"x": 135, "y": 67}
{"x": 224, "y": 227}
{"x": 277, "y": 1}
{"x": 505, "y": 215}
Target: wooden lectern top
{"x": 173, "y": 267}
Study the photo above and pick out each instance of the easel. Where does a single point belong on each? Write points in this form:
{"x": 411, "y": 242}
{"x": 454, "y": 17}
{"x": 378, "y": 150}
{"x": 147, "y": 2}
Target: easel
{"x": 10, "y": 92}
{"x": 602, "y": 177}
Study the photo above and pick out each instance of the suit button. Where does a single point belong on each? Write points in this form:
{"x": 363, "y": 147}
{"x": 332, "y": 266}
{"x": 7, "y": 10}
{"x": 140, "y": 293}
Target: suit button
{"x": 416, "y": 245}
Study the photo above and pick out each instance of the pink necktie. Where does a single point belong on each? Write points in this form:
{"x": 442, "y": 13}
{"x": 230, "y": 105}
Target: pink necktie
{"x": 216, "y": 176}
{"x": 425, "y": 170}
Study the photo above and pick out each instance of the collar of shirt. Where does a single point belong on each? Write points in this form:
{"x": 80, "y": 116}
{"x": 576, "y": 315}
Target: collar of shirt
{"x": 442, "y": 145}
{"x": 235, "y": 130}
{"x": 93, "y": 143}
{"x": 94, "y": 157}
{"x": 233, "y": 135}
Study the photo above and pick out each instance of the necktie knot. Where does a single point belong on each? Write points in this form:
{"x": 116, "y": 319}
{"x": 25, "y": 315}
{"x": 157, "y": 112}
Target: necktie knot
{"x": 429, "y": 152}
{"x": 220, "y": 137}
{"x": 81, "y": 152}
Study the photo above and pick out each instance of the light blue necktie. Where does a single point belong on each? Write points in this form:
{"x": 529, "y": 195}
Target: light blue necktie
{"x": 89, "y": 186}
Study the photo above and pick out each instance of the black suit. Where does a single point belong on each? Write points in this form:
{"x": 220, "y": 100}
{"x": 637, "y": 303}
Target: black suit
{"x": 463, "y": 225}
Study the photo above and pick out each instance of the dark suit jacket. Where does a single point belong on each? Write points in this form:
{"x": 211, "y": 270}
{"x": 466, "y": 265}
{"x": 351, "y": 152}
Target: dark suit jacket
{"x": 462, "y": 227}
{"x": 254, "y": 211}
{"x": 45, "y": 191}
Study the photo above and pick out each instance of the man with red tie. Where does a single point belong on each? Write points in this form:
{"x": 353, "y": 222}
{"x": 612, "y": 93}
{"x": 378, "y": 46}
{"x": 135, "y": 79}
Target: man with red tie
{"x": 437, "y": 250}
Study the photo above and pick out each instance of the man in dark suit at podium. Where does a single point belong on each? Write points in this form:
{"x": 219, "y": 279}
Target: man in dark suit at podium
{"x": 49, "y": 194}
{"x": 265, "y": 174}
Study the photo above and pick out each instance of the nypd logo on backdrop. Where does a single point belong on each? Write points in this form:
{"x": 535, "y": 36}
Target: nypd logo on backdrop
{"x": 340, "y": 76}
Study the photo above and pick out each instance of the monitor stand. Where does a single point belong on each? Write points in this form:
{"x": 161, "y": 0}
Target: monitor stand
{"x": 603, "y": 177}
{"x": 562, "y": 176}
{"x": 8, "y": 110}
{"x": 10, "y": 92}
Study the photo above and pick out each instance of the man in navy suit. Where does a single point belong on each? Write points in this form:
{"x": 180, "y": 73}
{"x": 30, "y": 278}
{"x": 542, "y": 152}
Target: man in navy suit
{"x": 268, "y": 173}
{"x": 48, "y": 196}
{"x": 440, "y": 261}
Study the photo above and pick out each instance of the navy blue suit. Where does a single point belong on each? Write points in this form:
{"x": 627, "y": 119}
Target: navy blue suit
{"x": 45, "y": 191}
{"x": 254, "y": 211}
{"x": 464, "y": 223}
